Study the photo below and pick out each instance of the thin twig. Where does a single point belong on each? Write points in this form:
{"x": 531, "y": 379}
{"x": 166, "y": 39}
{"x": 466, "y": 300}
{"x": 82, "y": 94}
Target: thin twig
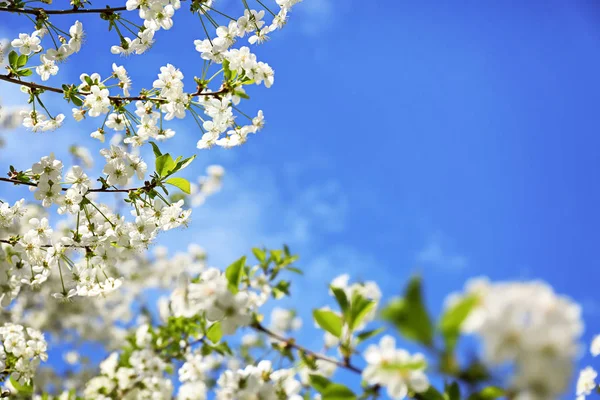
{"x": 42, "y": 11}
{"x": 103, "y": 190}
{"x": 292, "y": 343}
{"x": 33, "y": 85}
{"x": 49, "y": 245}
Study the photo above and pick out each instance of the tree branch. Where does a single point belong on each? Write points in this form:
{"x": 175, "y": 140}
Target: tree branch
{"x": 105, "y": 190}
{"x": 33, "y": 85}
{"x": 42, "y": 11}
{"x": 292, "y": 343}
{"x": 73, "y": 246}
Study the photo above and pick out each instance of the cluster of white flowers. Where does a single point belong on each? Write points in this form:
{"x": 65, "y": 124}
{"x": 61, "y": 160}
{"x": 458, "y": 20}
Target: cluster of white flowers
{"x": 369, "y": 290}
{"x": 243, "y": 63}
{"x": 30, "y": 44}
{"x": 167, "y": 100}
{"x": 195, "y": 375}
{"x": 121, "y": 166}
{"x": 395, "y": 369}
{"x": 143, "y": 378}
{"x": 21, "y": 350}
{"x": 48, "y": 173}
{"x": 157, "y": 14}
{"x": 211, "y": 296}
{"x": 258, "y": 382}
{"x": 207, "y": 185}
{"x": 192, "y": 375}
{"x": 38, "y": 122}
{"x": 71, "y": 320}
{"x": 284, "y": 321}
{"x": 93, "y": 230}
{"x": 586, "y": 382}
{"x": 4, "y": 48}
{"x": 140, "y": 375}
{"x": 9, "y": 215}
{"x": 529, "y": 325}
{"x": 139, "y": 45}
{"x": 10, "y": 118}
{"x": 170, "y": 87}
{"x": 97, "y": 101}
{"x": 221, "y": 112}
{"x": 147, "y": 122}
{"x": 174, "y": 102}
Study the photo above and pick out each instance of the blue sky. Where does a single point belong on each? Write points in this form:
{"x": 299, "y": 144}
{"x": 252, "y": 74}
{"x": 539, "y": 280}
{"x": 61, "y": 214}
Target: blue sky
{"x": 454, "y": 139}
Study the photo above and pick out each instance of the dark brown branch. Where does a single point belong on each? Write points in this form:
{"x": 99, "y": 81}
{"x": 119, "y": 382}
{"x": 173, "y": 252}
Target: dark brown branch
{"x": 33, "y": 85}
{"x": 292, "y": 343}
{"x": 104, "y": 190}
{"x": 42, "y": 11}
{"x": 72, "y": 246}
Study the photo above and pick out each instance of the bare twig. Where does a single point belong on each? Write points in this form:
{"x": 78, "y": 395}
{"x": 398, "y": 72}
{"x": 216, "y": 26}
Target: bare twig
{"x": 33, "y": 85}
{"x": 104, "y": 190}
{"x": 292, "y": 343}
{"x": 42, "y": 11}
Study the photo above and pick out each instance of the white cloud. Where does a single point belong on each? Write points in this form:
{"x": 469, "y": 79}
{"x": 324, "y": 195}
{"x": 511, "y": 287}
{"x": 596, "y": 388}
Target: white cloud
{"x": 342, "y": 259}
{"x": 253, "y": 210}
{"x": 438, "y": 253}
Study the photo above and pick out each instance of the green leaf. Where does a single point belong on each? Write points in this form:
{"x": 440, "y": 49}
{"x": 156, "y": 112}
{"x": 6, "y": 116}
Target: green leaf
{"x": 241, "y": 94}
{"x": 164, "y": 164}
{"x": 13, "y": 57}
{"x": 409, "y": 314}
{"x": 276, "y": 255}
{"x": 223, "y": 349}
{"x": 180, "y": 183}
{"x": 364, "y": 335}
{"x": 295, "y": 270}
{"x": 342, "y": 300}
{"x": 431, "y": 394}
{"x": 359, "y": 309}
{"x": 309, "y": 361}
{"x": 492, "y": 392}
{"x": 25, "y": 72}
{"x": 26, "y": 390}
{"x": 488, "y": 393}
{"x": 260, "y": 254}
{"x": 453, "y": 317}
{"x": 22, "y": 61}
{"x": 329, "y": 321}
{"x": 337, "y": 391}
{"x": 453, "y": 391}
{"x": 318, "y": 382}
{"x": 181, "y": 164}
{"x": 226, "y": 71}
{"x": 156, "y": 150}
{"x": 234, "y": 274}
{"x": 214, "y": 333}
{"x": 281, "y": 289}
{"x": 77, "y": 101}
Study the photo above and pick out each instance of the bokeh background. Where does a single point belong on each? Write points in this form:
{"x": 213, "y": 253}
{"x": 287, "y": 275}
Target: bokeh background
{"x": 451, "y": 139}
